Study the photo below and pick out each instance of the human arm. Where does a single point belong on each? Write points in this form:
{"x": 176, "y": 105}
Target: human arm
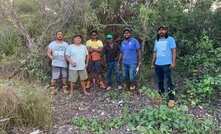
{"x": 119, "y": 59}
{"x": 173, "y": 65}
{"x": 139, "y": 57}
{"x": 70, "y": 61}
{"x": 49, "y": 53}
{"x": 87, "y": 60}
{"x": 153, "y": 60}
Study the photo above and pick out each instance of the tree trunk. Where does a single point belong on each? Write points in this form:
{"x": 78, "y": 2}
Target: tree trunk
{"x": 29, "y": 42}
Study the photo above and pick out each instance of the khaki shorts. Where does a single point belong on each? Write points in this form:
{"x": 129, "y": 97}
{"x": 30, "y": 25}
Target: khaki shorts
{"x": 73, "y": 75}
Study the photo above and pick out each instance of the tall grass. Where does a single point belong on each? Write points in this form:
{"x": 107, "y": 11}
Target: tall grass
{"x": 23, "y": 105}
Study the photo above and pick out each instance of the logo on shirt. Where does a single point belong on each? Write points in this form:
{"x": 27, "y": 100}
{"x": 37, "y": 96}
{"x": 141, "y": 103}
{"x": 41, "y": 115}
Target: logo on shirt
{"x": 161, "y": 48}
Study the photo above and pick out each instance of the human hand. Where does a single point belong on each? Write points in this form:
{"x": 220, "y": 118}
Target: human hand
{"x": 118, "y": 65}
{"x": 173, "y": 66}
{"x": 152, "y": 67}
{"x": 140, "y": 63}
{"x": 74, "y": 64}
{"x": 52, "y": 57}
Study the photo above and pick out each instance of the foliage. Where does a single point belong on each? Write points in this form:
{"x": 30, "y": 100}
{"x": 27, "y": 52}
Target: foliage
{"x": 35, "y": 67}
{"x": 204, "y": 90}
{"x": 153, "y": 95}
{"x": 201, "y": 69}
{"x": 10, "y": 42}
{"x": 150, "y": 120}
{"x": 23, "y": 105}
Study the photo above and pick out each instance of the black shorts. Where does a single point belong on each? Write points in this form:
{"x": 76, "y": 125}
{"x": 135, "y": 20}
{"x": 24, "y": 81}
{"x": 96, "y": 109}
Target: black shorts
{"x": 95, "y": 66}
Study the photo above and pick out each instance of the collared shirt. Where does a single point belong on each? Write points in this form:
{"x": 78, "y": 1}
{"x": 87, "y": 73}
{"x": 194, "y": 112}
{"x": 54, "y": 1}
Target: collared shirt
{"x": 163, "y": 49}
{"x": 111, "y": 53}
{"x": 129, "y": 49}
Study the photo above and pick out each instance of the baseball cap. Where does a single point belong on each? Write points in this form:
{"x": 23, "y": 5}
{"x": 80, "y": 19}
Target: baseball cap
{"x": 109, "y": 36}
{"x": 162, "y": 26}
{"x": 77, "y": 35}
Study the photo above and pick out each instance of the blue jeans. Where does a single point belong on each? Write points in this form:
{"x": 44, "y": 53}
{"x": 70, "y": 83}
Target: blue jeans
{"x": 129, "y": 72}
{"x": 110, "y": 66}
{"x": 164, "y": 72}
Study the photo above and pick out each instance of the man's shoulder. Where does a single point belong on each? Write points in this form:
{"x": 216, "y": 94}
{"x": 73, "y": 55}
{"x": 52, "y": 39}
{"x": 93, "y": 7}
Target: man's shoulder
{"x": 99, "y": 41}
{"x": 65, "y": 43}
{"x": 83, "y": 46}
{"x": 170, "y": 38}
{"x": 52, "y": 43}
{"x": 70, "y": 46}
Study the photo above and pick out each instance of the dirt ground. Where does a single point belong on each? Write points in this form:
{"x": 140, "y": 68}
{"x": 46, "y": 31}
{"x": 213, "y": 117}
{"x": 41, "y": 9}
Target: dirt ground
{"x": 102, "y": 104}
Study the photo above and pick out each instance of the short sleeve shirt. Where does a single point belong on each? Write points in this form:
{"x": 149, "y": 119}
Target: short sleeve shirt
{"x": 78, "y": 56}
{"x": 58, "y": 51}
{"x": 163, "y": 49}
{"x": 130, "y": 51}
{"x": 94, "y": 44}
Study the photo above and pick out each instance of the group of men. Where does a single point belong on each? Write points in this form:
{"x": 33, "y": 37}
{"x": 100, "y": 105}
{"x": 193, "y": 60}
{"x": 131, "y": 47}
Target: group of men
{"x": 85, "y": 61}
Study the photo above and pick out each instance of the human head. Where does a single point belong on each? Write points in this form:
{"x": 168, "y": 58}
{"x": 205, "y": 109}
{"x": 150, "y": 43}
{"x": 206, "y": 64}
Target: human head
{"x": 93, "y": 34}
{"x": 59, "y": 35}
{"x": 77, "y": 39}
{"x": 127, "y": 33}
{"x": 162, "y": 32}
{"x": 109, "y": 38}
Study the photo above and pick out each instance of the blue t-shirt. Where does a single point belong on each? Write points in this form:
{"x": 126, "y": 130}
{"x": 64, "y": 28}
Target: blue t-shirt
{"x": 58, "y": 51}
{"x": 163, "y": 49}
{"x": 78, "y": 56}
{"x": 129, "y": 50}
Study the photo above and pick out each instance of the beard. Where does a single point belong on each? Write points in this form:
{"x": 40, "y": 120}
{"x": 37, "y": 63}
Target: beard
{"x": 161, "y": 34}
{"x": 60, "y": 38}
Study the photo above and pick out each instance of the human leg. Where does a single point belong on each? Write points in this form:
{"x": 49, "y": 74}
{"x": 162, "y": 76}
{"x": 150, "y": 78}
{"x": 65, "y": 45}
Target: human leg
{"x": 160, "y": 79}
{"x": 132, "y": 76}
{"x": 83, "y": 76}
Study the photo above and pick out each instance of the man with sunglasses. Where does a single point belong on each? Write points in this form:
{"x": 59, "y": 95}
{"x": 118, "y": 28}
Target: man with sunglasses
{"x": 94, "y": 47}
{"x": 131, "y": 58}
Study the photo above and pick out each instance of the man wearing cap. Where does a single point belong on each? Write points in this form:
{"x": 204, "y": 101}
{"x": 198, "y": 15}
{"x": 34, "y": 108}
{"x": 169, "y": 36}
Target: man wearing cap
{"x": 95, "y": 47}
{"x": 77, "y": 56}
{"x": 164, "y": 60}
{"x": 131, "y": 58}
{"x": 111, "y": 52}
{"x": 56, "y": 53}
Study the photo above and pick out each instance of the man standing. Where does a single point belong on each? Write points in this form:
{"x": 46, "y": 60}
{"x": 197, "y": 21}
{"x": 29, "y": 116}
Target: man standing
{"x": 77, "y": 56}
{"x": 94, "y": 47}
{"x": 111, "y": 52}
{"x": 163, "y": 60}
{"x": 131, "y": 58}
{"x": 56, "y": 52}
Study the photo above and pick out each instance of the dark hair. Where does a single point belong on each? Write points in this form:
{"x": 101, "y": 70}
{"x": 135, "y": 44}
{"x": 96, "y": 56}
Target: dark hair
{"x": 59, "y": 31}
{"x": 158, "y": 37}
{"x": 93, "y": 31}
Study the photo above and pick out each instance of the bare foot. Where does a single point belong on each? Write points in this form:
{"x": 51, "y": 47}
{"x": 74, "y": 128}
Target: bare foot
{"x": 86, "y": 93}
